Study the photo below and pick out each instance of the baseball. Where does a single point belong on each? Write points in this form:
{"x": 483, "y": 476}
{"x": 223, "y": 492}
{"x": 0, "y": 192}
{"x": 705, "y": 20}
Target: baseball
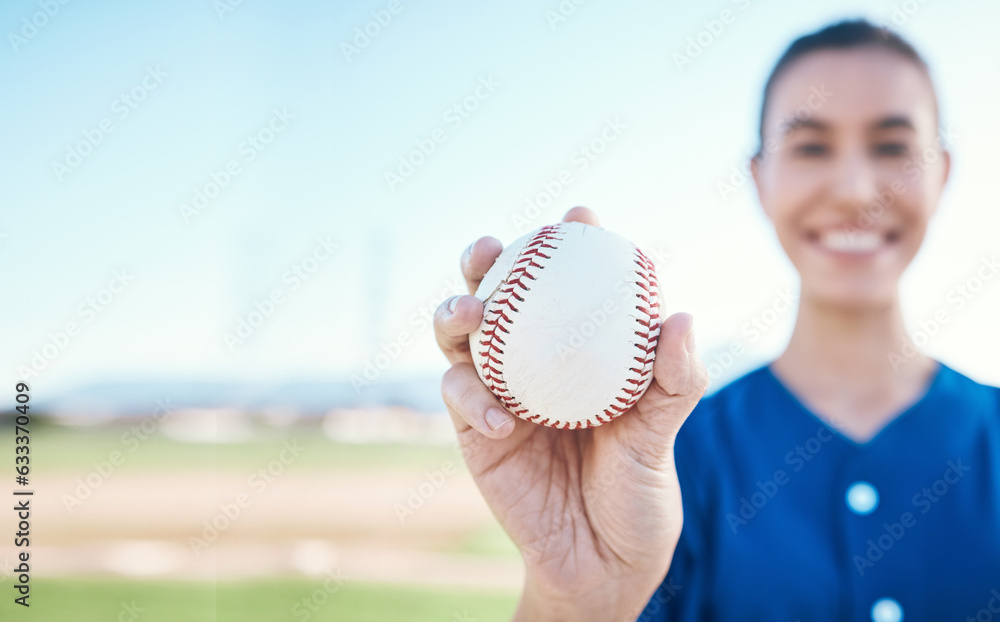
{"x": 570, "y": 324}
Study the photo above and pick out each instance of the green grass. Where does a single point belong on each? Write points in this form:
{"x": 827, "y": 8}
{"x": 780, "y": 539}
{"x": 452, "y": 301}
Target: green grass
{"x": 79, "y": 600}
{"x": 56, "y": 450}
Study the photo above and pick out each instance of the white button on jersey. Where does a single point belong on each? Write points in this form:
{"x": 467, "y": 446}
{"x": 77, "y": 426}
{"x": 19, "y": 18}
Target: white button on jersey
{"x": 886, "y": 610}
{"x": 862, "y": 498}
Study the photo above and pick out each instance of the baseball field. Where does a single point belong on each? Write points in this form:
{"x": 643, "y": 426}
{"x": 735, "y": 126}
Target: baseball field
{"x": 285, "y": 526}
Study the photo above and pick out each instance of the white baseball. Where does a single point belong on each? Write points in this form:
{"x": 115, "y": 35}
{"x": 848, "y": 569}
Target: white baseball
{"x": 570, "y": 323}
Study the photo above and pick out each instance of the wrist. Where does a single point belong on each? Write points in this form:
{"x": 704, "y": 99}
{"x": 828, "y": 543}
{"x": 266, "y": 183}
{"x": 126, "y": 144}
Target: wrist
{"x": 621, "y": 600}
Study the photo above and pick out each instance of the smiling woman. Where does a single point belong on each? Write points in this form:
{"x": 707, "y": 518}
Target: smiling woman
{"x": 850, "y": 172}
{"x": 850, "y": 214}
{"x": 837, "y": 482}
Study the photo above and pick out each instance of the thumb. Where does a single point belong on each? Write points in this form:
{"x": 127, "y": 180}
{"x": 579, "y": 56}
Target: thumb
{"x": 679, "y": 381}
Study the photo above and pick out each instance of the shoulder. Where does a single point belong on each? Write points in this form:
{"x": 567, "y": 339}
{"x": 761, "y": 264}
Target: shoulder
{"x": 956, "y": 388}
{"x": 726, "y": 406}
{"x": 715, "y": 435}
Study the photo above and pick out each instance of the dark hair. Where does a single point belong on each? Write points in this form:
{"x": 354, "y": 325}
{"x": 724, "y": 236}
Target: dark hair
{"x": 840, "y": 36}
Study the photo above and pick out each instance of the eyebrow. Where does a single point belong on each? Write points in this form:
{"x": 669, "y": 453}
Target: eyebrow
{"x": 797, "y": 123}
{"x": 895, "y": 121}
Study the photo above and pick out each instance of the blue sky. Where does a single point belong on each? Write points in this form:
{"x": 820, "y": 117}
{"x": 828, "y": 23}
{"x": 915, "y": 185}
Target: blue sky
{"x": 268, "y": 90}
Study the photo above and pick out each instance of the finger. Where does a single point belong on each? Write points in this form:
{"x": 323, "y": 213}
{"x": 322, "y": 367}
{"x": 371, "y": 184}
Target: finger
{"x": 582, "y": 214}
{"x": 477, "y": 260}
{"x": 454, "y": 319}
{"x": 674, "y": 368}
{"x": 472, "y": 405}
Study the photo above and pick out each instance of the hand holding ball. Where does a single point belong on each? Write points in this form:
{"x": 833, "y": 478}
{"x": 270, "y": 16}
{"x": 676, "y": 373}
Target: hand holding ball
{"x": 570, "y": 324}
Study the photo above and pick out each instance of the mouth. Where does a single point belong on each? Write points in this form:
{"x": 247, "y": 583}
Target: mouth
{"x": 852, "y": 243}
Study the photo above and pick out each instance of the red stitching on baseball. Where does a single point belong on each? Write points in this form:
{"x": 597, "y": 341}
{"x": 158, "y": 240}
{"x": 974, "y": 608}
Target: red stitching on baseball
{"x": 492, "y": 375}
{"x": 648, "y": 339}
{"x": 500, "y": 320}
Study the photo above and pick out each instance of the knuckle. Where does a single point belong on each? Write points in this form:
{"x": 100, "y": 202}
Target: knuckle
{"x": 439, "y": 319}
{"x": 449, "y": 381}
{"x": 442, "y": 318}
{"x": 468, "y": 441}
{"x": 466, "y": 260}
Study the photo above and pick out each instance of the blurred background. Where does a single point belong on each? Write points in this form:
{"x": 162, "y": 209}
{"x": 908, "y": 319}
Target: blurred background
{"x": 226, "y": 224}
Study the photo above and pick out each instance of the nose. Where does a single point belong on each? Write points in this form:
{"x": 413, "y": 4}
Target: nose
{"x": 854, "y": 184}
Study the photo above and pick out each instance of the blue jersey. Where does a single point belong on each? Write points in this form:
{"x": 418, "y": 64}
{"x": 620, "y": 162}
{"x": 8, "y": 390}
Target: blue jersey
{"x": 785, "y": 519}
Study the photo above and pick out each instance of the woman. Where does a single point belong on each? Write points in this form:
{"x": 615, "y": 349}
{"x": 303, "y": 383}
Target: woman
{"x": 852, "y": 478}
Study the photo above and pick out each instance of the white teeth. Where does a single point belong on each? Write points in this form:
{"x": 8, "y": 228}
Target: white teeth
{"x": 851, "y": 241}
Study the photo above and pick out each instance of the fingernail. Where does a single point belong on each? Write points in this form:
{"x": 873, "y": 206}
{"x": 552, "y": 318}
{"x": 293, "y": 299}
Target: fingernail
{"x": 496, "y": 418}
{"x": 453, "y": 304}
{"x": 689, "y": 342}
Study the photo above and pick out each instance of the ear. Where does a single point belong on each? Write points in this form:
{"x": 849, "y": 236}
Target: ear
{"x": 756, "y": 162}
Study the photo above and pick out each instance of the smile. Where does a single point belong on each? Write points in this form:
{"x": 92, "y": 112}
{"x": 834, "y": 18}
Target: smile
{"x": 853, "y": 243}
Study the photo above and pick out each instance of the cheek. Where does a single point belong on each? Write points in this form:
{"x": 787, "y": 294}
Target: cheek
{"x": 912, "y": 199}
{"x": 790, "y": 197}
{"x": 917, "y": 184}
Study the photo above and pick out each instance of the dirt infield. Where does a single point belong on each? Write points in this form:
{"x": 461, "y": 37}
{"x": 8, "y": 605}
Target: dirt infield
{"x": 385, "y": 526}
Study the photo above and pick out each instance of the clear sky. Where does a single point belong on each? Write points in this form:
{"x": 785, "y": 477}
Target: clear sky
{"x": 116, "y": 116}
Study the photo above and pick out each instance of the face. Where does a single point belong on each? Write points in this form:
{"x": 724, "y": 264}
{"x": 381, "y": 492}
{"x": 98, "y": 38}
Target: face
{"x": 851, "y": 171}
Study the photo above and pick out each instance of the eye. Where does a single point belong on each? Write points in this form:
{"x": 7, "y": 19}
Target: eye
{"x": 811, "y": 150}
{"x": 891, "y": 149}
